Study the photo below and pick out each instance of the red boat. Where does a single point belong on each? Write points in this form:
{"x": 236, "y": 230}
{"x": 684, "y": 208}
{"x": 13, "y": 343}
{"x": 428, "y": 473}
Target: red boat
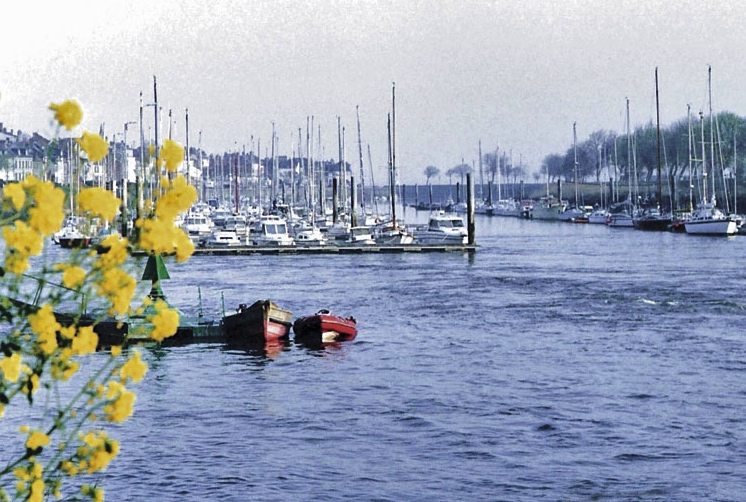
{"x": 262, "y": 320}
{"x": 325, "y": 327}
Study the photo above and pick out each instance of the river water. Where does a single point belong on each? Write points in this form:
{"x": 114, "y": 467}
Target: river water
{"x": 558, "y": 362}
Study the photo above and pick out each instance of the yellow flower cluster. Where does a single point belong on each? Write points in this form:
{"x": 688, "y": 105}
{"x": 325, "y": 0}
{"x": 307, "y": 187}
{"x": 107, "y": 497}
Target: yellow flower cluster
{"x": 159, "y": 234}
{"x": 30, "y": 480}
{"x": 120, "y": 401}
{"x": 99, "y": 202}
{"x": 15, "y": 193}
{"x": 68, "y": 113}
{"x": 95, "y": 147}
{"x": 165, "y": 321}
{"x": 11, "y": 367}
{"x": 172, "y": 154}
{"x": 44, "y": 324}
{"x": 41, "y": 349}
{"x": 21, "y": 242}
{"x": 134, "y": 369}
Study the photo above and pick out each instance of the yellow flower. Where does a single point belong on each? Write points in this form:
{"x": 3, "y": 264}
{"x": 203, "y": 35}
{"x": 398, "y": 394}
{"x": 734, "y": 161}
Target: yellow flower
{"x": 119, "y": 409}
{"x": 68, "y": 113}
{"x": 118, "y": 287}
{"x": 172, "y": 153}
{"x": 99, "y": 202}
{"x": 11, "y": 367}
{"x": 47, "y": 214}
{"x": 134, "y": 369}
{"x": 62, "y": 368}
{"x": 165, "y": 321}
{"x": 45, "y": 325}
{"x": 36, "y": 440}
{"x": 37, "y": 491}
{"x": 116, "y": 350}
{"x": 94, "y": 146}
{"x": 15, "y": 194}
{"x": 85, "y": 341}
{"x": 116, "y": 254}
{"x": 73, "y": 277}
{"x": 21, "y": 241}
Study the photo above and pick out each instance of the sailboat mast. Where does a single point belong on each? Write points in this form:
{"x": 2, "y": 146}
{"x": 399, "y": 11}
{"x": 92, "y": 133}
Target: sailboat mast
{"x": 712, "y": 142}
{"x": 629, "y": 155}
{"x": 691, "y": 174}
{"x": 373, "y": 200}
{"x": 392, "y": 129}
{"x": 658, "y": 126}
{"x": 392, "y": 193}
{"x": 575, "y": 160}
{"x": 704, "y": 162}
{"x": 362, "y": 168}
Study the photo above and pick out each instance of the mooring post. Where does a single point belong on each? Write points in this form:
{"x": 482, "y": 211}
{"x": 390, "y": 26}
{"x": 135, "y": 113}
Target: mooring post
{"x": 335, "y": 208}
{"x": 470, "y": 209}
{"x": 353, "y": 203}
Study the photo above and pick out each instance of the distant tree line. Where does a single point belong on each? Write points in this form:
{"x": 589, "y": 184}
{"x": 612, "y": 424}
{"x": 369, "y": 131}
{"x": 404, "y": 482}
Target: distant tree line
{"x": 624, "y": 158}
{"x": 491, "y": 162}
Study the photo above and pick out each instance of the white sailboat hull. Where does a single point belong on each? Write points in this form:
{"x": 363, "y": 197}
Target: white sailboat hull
{"x": 711, "y": 227}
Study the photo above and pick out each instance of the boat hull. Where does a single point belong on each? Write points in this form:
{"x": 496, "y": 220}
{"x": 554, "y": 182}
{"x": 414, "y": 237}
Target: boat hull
{"x": 659, "y": 224}
{"x": 264, "y": 320}
{"x": 74, "y": 242}
{"x": 711, "y": 227}
{"x": 324, "y": 327}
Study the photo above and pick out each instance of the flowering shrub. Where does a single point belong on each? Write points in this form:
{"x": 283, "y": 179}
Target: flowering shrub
{"x": 47, "y": 337}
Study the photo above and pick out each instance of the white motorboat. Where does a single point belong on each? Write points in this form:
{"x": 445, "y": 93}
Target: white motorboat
{"x": 442, "y": 229}
{"x": 271, "y": 230}
{"x": 198, "y": 226}
{"x": 310, "y": 237}
{"x": 598, "y": 217}
{"x": 223, "y": 238}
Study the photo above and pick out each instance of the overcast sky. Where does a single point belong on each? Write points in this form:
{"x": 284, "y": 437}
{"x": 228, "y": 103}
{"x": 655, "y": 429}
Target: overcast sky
{"x": 513, "y": 74}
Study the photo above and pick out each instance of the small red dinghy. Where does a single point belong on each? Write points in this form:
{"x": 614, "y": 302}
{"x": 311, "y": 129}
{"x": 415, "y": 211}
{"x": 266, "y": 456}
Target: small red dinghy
{"x": 325, "y": 327}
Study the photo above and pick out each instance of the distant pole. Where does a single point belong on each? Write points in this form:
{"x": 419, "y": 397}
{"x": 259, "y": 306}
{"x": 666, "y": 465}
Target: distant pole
{"x": 334, "y": 201}
{"x": 470, "y": 209}
{"x": 353, "y": 201}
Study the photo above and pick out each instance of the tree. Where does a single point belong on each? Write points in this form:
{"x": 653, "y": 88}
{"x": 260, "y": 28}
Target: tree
{"x": 431, "y": 171}
{"x": 460, "y": 170}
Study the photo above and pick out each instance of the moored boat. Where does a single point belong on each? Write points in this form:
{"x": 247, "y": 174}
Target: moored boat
{"x": 69, "y": 237}
{"x": 652, "y": 219}
{"x": 262, "y": 320}
{"x": 709, "y": 220}
{"x": 442, "y": 228}
{"x": 272, "y": 230}
{"x": 223, "y": 238}
{"x": 548, "y": 208}
{"x": 324, "y": 327}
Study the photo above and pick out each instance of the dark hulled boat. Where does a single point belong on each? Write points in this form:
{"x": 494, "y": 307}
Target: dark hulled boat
{"x": 262, "y": 320}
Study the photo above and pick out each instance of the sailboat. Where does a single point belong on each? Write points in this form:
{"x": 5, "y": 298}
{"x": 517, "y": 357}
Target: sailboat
{"x": 651, "y": 217}
{"x": 575, "y": 214}
{"x": 707, "y": 219}
{"x": 620, "y": 214}
{"x": 70, "y": 236}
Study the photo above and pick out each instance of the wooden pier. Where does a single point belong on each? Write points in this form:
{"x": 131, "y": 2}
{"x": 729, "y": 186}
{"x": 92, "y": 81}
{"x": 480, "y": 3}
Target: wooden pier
{"x": 332, "y": 249}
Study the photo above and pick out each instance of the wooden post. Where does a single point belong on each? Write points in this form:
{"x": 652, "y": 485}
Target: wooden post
{"x": 470, "y": 209}
{"x": 335, "y": 212}
{"x": 353, "y": 202}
